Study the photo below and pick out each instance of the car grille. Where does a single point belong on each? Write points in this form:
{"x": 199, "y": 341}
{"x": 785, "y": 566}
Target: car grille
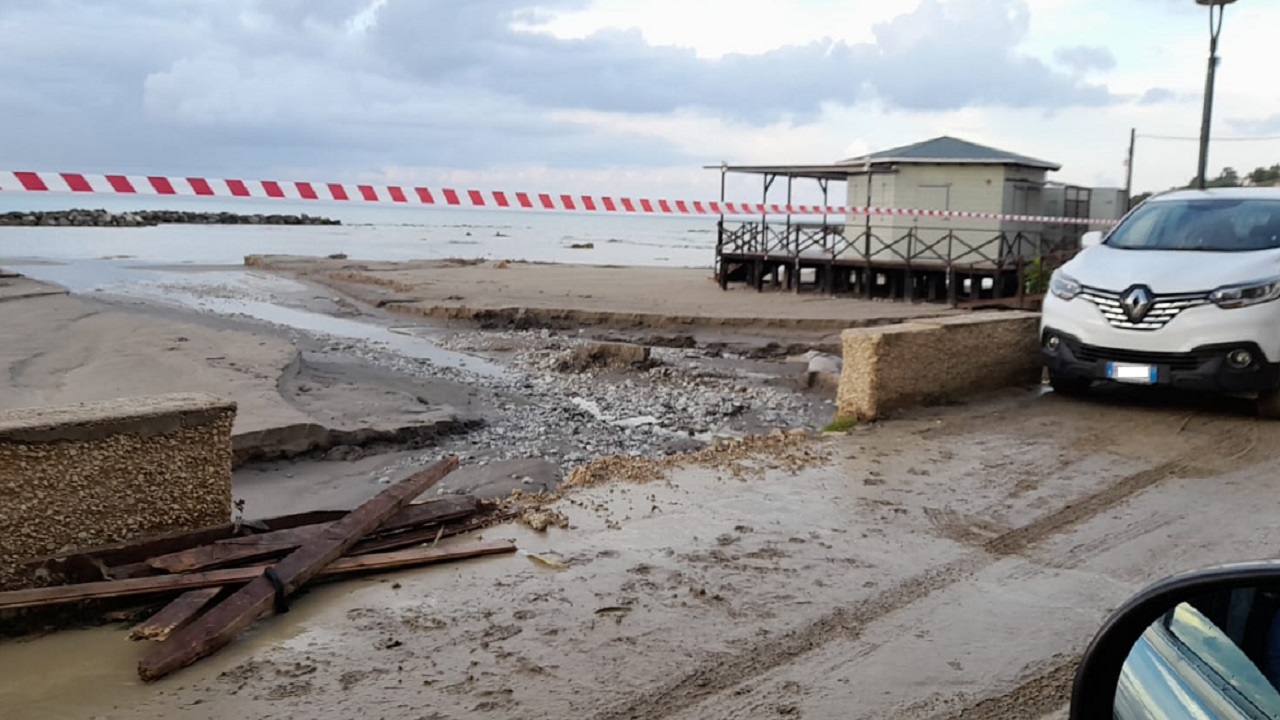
{"x": 1163, "y": 308}
{"x": 1174, "y": 361}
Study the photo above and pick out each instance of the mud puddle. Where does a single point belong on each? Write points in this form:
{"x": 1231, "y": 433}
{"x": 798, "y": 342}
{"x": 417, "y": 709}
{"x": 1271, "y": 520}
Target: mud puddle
{"x": 89, "y": 672}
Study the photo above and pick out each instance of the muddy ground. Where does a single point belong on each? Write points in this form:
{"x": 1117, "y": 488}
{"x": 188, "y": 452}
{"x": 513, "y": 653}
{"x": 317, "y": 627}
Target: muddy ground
{"x": 948, "y": 563}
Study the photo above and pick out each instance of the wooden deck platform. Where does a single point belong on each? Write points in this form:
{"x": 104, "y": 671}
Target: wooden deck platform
{"x": 956, "y": 267}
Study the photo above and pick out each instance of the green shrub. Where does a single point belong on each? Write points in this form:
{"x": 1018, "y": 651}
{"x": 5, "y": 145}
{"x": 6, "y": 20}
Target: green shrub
{"x": 1036, "y": 277}
{"x": 840, "y": 425}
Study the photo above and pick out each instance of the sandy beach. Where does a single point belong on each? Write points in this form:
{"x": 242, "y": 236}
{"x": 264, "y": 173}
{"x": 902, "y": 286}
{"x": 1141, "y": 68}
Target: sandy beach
{"x": 551, "y": 295}
{"x": 63, "y": 350}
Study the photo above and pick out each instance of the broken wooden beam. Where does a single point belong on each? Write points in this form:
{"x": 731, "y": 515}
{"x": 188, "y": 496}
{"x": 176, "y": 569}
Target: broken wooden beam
{"x": 169, "y": 584}
{"x": 87, "y": 564}
{"x": 409, "y": 517}
{"x": 233, "y": 551}
{"x": 426, "y": 535}
{"x": 369, "y": 544}
{"x": 216, "y": 628}
{"x": 175, "y": 616}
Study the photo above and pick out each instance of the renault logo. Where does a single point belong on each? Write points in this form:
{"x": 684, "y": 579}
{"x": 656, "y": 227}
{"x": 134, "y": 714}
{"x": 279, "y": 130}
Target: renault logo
{"x": 1136, "y": 301}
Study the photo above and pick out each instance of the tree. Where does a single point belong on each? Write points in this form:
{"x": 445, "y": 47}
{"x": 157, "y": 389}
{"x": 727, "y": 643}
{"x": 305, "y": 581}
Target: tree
{"x": 1265, "y": 175}
{"x": 1226, "y": 179}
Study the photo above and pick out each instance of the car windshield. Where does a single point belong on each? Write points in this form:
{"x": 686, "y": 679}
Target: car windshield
{"x": 1216, "y": 224}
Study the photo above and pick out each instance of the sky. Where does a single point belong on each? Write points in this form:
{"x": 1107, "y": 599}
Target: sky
{"x": 621, "y": 96}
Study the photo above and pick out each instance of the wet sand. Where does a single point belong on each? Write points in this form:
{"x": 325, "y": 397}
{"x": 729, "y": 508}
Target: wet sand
{"x": 62, "y": 349}
{"x": 530, "y": 294}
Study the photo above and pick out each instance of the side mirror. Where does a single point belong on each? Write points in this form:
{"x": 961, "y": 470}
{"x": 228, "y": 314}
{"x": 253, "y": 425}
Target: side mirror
{"x": 1091, "y": 238}
{"x": 1204, "y": 644}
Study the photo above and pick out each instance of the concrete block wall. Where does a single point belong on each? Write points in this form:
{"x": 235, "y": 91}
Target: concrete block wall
{"x": 897, "y": 366}
{"x": 98, "y": 473}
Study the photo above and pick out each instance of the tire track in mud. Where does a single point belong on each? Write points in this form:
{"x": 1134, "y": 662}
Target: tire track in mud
{"x": 1045, "y": 693}
{"x": 1019, "y": 539}
{"x": 719, "y": 673}
{"x": 1044, "y": 687}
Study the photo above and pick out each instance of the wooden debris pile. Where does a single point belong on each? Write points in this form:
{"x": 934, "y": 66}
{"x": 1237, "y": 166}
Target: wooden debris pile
{"x": 224, "y": 578}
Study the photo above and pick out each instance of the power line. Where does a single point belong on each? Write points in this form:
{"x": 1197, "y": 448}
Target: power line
{"x": 1260, "y": 138}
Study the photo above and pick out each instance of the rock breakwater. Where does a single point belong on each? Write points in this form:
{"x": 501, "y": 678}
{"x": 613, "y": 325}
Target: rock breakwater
{"x": 144, "y": 218}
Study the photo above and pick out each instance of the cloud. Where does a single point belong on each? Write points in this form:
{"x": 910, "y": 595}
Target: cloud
{"x": 964, "y": 53}
{"x": 1258, "y": 126}
{"x": 267, "y": 86}
{"x": 1083, "y": 58}
{"x": 942, "y": 56}
{"x": 1157, "y": 96}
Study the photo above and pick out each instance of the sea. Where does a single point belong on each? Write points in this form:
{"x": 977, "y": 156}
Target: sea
{"x": 201, "y": 267}
{"x": 368, "y": 232}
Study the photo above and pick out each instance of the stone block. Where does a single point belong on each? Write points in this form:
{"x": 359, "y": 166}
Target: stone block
{"x": 897, "y": 366}
{"x": 78, "y": 476}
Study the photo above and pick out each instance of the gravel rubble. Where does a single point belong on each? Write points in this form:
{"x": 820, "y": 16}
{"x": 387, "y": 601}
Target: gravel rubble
{"x": 679, "y": 405}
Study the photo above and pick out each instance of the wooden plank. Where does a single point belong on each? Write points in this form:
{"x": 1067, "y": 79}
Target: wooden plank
{"x": 216, "y": 628}
{"x": 224, "y": 553}
{"x": 141, "y": 549}
{"x": 87, "y": 565}
{"x": 137, "y": 570}
{"x": 175, "y": 615}
{"x": 425, "y": 535}
{"x": 132, "y": 570}
{"x": 234, "y": 551}
{"x": 142, "y": 569}
{"x": 162, "y": 584}
{"x": 374, "y": 544}
{"x": 408, "y": 518}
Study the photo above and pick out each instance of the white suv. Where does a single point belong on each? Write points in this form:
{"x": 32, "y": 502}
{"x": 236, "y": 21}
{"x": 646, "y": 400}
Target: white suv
{"x": 1181, "y": 293}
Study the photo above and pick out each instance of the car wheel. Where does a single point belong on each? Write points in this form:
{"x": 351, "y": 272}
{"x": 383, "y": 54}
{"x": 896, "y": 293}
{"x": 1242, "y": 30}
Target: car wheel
{"x": 1073, "y": 386}
{"x": 1269, "y": 404}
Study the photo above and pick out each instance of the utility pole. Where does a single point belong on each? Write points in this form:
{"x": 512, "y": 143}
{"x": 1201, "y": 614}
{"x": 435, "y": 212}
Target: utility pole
{"x": 868, "y": 204}
{"x": 1216, "y": 8}
{"x": 1128, "y": 165}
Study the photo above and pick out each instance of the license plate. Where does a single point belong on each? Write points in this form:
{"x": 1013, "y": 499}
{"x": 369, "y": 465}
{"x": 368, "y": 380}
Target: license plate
{"x": 1130, "y": 373}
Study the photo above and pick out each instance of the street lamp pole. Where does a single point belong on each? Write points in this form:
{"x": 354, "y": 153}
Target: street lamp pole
{"x": 1217, "y": 9}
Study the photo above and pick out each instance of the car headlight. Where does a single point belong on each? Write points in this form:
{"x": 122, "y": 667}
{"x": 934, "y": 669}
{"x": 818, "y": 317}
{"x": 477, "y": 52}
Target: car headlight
{"x": 1245, "y": 294}
{"x": 1064, "y": 286}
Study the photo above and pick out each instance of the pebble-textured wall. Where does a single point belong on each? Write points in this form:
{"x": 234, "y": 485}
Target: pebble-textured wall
{"x": 896, "y": 366}
{"x": 84, "y": 475}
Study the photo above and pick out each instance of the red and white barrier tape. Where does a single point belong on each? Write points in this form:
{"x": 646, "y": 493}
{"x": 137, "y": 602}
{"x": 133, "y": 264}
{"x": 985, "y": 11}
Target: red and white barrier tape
{"x": 80, "y": 183}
